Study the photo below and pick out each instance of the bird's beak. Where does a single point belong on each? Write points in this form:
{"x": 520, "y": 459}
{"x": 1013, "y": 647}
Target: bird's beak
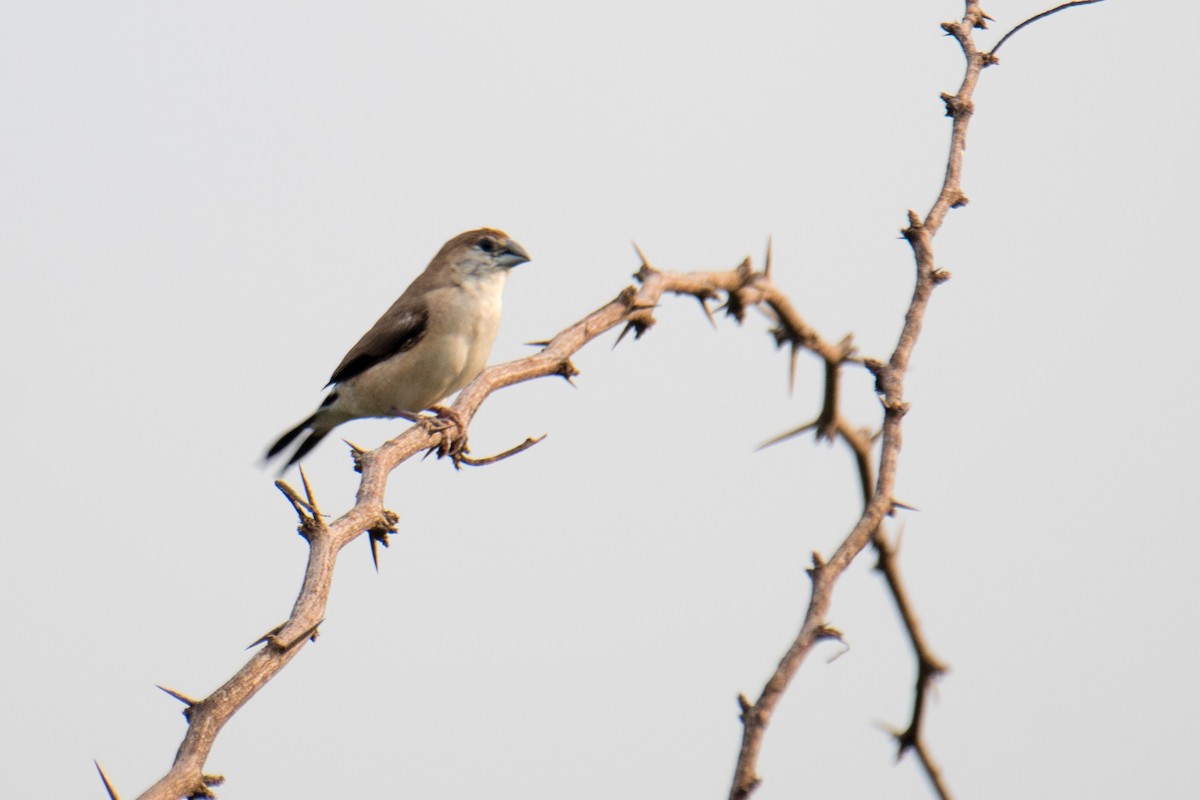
{"x": 513, "y": 254}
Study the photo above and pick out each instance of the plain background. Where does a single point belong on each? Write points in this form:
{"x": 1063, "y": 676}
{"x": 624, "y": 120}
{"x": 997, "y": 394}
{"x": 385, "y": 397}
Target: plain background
{"x": 202, "y": 206}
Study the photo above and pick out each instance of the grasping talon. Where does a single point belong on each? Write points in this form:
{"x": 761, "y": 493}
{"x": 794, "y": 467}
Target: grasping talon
{"x": 453, "y": 445}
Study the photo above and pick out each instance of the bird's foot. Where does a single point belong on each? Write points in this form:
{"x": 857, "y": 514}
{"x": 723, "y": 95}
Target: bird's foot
{"x": 453, "y": 430}
{"x": 447, "y": 422}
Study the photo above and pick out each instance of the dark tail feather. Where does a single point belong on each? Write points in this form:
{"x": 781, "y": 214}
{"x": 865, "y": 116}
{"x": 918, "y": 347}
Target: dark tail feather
{"x": 320, "y": 424}
{"x": 308, "y": 444}
{"x": 290, "y": 437}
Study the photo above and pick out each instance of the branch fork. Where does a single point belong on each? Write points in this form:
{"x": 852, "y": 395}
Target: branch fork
{"x": 632, "y": 309}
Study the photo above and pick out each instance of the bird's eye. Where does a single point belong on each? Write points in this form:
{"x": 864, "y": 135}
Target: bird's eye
{"x": 487, "y": 245}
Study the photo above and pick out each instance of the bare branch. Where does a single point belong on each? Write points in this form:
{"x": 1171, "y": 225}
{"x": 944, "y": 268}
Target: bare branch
{"x": 932, "y": 770}
{"x": 878, "y": 491}
{"x": 632, "y": 310}
{"x": 512, "y": 451}
{"x": 992, "y": 53}
{"x": 369, "y": 516}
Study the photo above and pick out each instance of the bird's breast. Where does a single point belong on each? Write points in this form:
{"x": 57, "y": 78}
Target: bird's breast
{"x": 455, "y": 348}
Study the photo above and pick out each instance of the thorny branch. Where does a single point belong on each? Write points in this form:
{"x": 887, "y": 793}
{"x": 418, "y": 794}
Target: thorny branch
{"x": 877, "y": 491}
{"x": 633, "y": 308}
{"x": 741, "y": 288}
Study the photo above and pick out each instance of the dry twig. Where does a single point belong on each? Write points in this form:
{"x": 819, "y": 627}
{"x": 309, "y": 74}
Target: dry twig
{"x": 632, "y": 310}
{"x": 742, "y": 288}
{"x": 878, "y": 499}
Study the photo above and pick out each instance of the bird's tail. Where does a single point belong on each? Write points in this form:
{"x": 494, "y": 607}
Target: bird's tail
{"x": 318, "y": 425}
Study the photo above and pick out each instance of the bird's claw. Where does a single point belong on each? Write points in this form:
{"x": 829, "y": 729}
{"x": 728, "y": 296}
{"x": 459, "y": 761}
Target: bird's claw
{"x": 447, "y": 422}
{"x": 443, "y": 418}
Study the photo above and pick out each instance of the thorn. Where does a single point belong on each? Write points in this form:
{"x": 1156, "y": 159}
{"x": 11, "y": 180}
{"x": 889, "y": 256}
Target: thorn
{"x": 905, "y": 741}
{"x": 356, "y": 455}
{"x": 896, "y": 504}
{"x": 297, "y": 502}
{"x": 932, "y": 669}
{"x": 829, "y": 632}
{"x": 744, "y": 704}
{"x": 376, "y": 539}
{"x": 707, "y": 311}
{"x": 312, "y": 502}
{"x": 108, "y": 787}
{"x": 792, "y": 367}
{"x": 621, "y": 335}
{"x": 268, "y": 636}
{"x": 310, "y": 634}
{"x": 183, "y": 698}
{"x": 206, "y": 784}
{"x": 311, "y": 523}
{"x": 645, "y": 261}
{"x": 914, "y": 225}
{"x": 637, "y": 326}
{"x": 538, "y": 344}
{"x": 767, "y": 266}
{"x": 567, "y": 370}
{"x": 846, "y": 348}
{"x": 379, "y": 534}
{"x": 785, "y": 436}
{"x": 890, "y": 730}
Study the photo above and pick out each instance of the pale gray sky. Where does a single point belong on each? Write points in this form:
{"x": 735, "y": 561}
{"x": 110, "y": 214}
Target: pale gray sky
{"x": 202, "y": 206}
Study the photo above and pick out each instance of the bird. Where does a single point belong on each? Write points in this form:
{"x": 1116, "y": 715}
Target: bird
{"x": 433, "y": 341}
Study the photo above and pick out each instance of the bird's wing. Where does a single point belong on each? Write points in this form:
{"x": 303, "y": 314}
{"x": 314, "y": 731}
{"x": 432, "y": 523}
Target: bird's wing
{"x": 397, "y": 331}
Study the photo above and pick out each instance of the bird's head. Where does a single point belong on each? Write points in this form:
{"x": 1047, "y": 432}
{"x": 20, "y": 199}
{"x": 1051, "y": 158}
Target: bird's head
{"x": 483, "y": 251}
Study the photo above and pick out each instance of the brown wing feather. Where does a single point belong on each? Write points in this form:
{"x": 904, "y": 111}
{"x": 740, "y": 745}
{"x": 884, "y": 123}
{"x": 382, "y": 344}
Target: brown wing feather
{"x": 397, "y": 331}
{"x": 408, "y": 319}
